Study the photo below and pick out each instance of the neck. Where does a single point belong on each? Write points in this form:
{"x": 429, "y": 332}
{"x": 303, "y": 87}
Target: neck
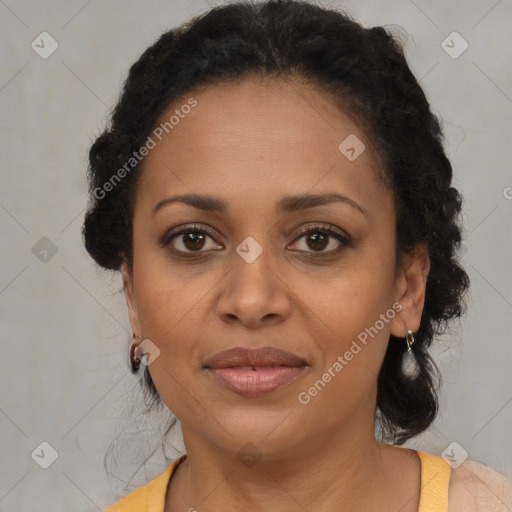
{"x": 352, "y": 470}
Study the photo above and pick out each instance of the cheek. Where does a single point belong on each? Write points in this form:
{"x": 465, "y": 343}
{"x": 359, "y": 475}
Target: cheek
{"x": 171, "y": 307}
{"x": 351, "y": 327}
{"x": 352, "y": 338}
{"x": 351, "y": 321}
{"x": 171, "y": 317}
{"x": 163, "y": 292}
{"x": 349, "y": 299}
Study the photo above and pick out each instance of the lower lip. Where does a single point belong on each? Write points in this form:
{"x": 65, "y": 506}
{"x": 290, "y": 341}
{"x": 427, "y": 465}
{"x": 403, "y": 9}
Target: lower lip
{"x": 257, "y": 382}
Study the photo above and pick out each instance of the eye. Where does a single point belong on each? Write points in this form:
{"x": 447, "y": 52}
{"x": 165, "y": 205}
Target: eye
{"x": 189, "y": 239}
{"x": 192, "y": 239}
{"x": 318, "y": 238}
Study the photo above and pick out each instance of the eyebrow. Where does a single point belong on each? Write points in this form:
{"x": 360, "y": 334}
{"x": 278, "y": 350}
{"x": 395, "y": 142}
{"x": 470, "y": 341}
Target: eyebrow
{"x": 287, "y": 204}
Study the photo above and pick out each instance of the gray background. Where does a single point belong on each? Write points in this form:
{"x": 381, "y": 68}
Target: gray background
{"x": 64, "y": 328}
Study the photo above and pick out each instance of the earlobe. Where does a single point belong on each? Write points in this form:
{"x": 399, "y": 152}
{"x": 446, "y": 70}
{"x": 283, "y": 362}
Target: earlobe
{"x": 411, "y": 288}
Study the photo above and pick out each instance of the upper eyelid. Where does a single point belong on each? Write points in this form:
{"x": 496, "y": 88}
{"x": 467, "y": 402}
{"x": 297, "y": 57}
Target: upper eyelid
{"x": 323, "y": 226}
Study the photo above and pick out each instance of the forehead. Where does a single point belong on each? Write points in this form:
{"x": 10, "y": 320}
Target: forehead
{"x": 259, "y": 139}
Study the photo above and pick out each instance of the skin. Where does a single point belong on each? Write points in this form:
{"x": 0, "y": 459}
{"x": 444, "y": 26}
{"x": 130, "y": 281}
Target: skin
{"x": 251, "y": 144}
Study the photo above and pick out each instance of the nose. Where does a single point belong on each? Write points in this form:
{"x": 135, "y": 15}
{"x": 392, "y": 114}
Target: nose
{"x": 253, "y": 293}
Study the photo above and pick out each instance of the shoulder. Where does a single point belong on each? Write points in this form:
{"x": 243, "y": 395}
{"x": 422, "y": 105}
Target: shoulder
{"x": 135, "y": 500}
{"x": 475, "y": 487}
{"x": 151, "y": 496}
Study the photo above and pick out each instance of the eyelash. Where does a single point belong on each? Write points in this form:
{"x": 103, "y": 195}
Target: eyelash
{"x": 325, "y": 229}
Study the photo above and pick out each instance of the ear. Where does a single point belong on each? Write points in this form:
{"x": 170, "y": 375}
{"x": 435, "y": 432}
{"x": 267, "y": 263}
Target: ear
{"x": 127, "y": 273}
{"x": 410, "y": 286}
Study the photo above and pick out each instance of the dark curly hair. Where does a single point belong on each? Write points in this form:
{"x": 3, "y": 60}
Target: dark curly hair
{"x": 365, "y": 73}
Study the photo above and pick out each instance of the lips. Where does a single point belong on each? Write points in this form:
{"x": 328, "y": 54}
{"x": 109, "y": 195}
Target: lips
{"x": 255, "y": 372}
{"x": 258, "y": 357}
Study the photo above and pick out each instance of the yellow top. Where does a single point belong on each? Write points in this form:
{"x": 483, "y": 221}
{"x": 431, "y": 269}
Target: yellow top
{"x": 435, "y": 476}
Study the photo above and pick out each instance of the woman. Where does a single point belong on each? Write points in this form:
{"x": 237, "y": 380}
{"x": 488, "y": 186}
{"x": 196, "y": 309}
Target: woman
{"x": 274, "y": 190}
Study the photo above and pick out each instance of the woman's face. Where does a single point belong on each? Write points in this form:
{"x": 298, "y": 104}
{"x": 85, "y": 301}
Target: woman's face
{"x": 251, "y": 278}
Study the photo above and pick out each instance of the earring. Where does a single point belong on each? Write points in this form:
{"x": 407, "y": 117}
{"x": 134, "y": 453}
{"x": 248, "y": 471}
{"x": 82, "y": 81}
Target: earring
{"x": 134, "y": 360}
{"x": 409, "y": 338}
{"x": 410, "y": 366}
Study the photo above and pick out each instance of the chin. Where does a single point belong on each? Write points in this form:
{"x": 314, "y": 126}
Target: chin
{"x": 269, "y": 431}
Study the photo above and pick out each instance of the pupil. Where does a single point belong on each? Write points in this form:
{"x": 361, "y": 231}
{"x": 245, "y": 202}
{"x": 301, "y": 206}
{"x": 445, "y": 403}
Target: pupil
{"x": 318, "y": 239}
{"x": 195, "y": 237}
